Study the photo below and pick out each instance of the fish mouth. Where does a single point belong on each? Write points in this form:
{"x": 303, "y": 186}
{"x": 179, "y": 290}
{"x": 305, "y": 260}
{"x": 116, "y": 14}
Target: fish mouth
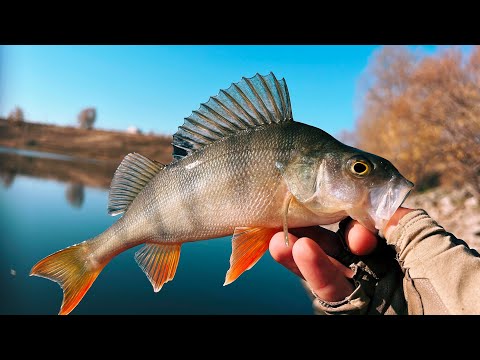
{"x": 385, "y": 200}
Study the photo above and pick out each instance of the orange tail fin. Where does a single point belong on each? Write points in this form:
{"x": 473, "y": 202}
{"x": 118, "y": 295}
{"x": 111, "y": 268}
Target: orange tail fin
{"x": 72, "y": 270}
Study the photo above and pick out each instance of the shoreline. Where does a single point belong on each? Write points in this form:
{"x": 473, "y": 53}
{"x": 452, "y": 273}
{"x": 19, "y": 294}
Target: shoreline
{"x": 83, "y": 143}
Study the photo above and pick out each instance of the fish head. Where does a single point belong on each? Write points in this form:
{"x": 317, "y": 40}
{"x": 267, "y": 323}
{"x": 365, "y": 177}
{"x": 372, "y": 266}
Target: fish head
{"x": 348, "y": 181}
{"x": 379, "y": 188}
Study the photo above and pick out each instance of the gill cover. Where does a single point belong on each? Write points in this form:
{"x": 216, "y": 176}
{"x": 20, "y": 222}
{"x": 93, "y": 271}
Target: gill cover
{"x": 311, "y": 181}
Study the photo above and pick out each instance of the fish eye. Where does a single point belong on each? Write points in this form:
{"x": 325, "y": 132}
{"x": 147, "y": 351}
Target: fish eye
{"x": 359, "y": 167}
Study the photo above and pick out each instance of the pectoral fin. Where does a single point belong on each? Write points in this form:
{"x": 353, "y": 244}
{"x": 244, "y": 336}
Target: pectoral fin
{"x": 248, "y": 246}
{"x": 286, "y": 206}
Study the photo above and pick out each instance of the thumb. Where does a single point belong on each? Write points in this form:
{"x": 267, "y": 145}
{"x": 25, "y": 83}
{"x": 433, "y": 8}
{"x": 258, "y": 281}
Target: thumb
{"x": 393, "y": 222}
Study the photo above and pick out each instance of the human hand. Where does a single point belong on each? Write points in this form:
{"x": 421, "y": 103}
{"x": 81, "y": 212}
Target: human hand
{"x": 311, "y": 254}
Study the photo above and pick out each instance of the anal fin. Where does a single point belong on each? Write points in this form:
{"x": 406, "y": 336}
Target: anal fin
{"x": 248, "y": 246}
{"x": 159, "y": 262}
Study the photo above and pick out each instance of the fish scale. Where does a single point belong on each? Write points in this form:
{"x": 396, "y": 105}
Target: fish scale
{"x": 241, "y": 166}
{"x": 243, "y": 174}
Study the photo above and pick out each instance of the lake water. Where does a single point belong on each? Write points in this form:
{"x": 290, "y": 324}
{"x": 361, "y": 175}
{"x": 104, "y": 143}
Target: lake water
{"x": 45, "y": 206}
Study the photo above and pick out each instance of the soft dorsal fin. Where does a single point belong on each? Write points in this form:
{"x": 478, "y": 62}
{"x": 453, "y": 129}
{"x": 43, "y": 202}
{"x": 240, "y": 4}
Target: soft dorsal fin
{"x": 131, "y": 176}
{"x": 258, "y": 101}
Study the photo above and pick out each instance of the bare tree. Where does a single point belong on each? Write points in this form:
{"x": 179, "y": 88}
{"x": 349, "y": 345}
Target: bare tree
{"x": 16, "y": 115}
{"x": 86, "y": 118}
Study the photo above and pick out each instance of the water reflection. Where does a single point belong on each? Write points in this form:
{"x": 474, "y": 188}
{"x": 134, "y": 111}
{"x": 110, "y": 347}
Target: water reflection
{"x": 12, "y": 163}
{"x": 39, "y": 216}
{"x": 75, "y": 194}
{"x": 77, "y": 173}
{"x": 7, "y": 177}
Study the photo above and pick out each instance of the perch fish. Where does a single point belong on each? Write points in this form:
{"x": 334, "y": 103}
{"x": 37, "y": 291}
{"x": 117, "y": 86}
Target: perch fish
{"x": 241, "y": 166}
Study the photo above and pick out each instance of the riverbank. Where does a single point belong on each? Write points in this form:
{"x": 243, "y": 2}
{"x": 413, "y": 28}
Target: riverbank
{"x": 83, "y": 143}
{"x": 457, "y": 210}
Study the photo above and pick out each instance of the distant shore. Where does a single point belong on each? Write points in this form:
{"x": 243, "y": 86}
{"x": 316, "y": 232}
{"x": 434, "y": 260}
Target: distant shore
{"x": 83, "y": 143}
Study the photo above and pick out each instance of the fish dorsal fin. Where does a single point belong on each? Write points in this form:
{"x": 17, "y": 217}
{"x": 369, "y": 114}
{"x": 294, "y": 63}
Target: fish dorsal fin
{"x": 131, "y": 176}
{"x": 258, "y": 101}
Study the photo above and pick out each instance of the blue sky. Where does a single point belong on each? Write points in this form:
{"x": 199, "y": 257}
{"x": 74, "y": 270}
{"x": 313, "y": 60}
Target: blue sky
{"x": 155, "y": 87}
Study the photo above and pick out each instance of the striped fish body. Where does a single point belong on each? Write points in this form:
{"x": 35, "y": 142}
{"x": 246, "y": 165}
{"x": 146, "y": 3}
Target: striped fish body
{"x": 242, "y": 166}
{"x": 235, "y": 183}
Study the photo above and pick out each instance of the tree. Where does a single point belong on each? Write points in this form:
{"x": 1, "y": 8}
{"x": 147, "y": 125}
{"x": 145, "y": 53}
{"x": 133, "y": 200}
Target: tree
{"x": 423, "y": 113}
{"x": 16, "y": 115}
{"x": 86, "y": 118}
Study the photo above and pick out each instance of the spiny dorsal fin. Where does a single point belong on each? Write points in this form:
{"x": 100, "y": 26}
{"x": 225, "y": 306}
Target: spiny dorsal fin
{"x": 159, "y": 262}
{"x": 260, "y": 100}
{"x": 131, "y": 176}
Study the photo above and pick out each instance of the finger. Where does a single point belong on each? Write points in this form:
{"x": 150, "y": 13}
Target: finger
{"x": 323, "y": 277}
{"x": 328, "y": 240}
{"x": 359, "y": 239}
{"x": 393, "y": 222}
{"x": 283, "y": 254}
{"x": 346, "y": 271}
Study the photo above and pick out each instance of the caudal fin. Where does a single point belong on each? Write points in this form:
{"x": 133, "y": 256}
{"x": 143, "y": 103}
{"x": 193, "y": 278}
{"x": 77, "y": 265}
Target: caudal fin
{"x": 72, "y": 270}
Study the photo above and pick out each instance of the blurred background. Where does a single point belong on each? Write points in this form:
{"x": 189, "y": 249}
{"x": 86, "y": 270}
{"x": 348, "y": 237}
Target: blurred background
{"x": 69, "y": 114}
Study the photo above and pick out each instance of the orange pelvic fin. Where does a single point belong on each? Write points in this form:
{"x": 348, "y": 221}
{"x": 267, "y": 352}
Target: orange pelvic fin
{"x": 248, "y": 246}
{"x": 159, "y": 262}
{"x": 71, "y": 269}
